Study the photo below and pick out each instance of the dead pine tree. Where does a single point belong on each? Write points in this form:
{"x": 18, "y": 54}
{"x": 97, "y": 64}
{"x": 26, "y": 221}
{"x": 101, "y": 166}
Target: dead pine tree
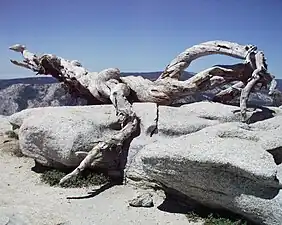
{"x": 108, "y": 86}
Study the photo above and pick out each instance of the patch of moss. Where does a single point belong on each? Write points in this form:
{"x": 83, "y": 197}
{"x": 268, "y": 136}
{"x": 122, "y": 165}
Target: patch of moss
{"x": 17, "y": 152}
{"x": 212, "y": 219}
{"x": 85, "y": 179}
{"x": 12, "y": 134}
{"x": 193, "y": 217}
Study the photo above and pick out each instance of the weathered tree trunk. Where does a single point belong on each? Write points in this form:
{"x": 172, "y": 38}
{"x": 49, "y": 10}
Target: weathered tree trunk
{"x": 128, "y": 120}
{"x": 260, "y": 69}
{"x": 167, "y": 87}
{"x": 108, "y": 87}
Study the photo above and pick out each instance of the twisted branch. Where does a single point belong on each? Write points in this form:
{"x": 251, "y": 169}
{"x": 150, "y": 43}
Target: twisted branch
{"x": 259, "y": 73}
{"x": 126, "y": 117}
{"x": 184, "y": 59}
{"x": 108, "y": 87}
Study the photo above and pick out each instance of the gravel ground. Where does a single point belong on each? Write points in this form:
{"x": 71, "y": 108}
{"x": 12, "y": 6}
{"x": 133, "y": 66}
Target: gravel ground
{"x": 24, "y": 200}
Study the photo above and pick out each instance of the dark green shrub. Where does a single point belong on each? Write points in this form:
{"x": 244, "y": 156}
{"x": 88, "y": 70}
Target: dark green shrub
{"x": 212, "y": 219}
{"x": 85, "y": 179}
{"x": 12, "y": 134}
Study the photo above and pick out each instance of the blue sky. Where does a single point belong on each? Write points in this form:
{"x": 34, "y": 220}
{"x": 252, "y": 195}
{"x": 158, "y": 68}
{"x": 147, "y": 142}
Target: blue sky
{"x": 135, "y": 36}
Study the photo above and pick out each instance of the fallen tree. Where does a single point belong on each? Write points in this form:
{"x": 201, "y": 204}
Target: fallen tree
{"x": 108, "y": 86}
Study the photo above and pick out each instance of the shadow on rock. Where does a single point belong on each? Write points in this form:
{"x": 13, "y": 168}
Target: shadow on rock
{"x": 107, "y": 177}
{"x": 176, "y": 202}
{"x": 277, "y": 156}
{"x": 263, "y": 114}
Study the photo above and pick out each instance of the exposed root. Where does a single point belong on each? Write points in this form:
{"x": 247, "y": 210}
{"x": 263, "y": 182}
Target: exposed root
{"x": 126, "y": 118}
{"x": 258, "y": 73}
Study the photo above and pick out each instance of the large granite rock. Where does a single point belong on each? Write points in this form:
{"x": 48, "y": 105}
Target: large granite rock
{"x": 72, "y": 129}
{"x": 68, "y": 130}
{"x": 205, "y": 153}
{"x": 201, "y": 150}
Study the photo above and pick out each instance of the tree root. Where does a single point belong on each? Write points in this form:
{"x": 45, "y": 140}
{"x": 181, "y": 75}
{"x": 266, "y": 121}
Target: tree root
{"x": 126, "y": 118}
{"x": 260, "y": 70}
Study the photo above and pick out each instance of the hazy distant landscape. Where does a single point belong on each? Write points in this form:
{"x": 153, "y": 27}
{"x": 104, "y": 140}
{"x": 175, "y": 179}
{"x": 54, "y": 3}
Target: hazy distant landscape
{"x": 50, "y": 80}
{"x": 21, "y": 93}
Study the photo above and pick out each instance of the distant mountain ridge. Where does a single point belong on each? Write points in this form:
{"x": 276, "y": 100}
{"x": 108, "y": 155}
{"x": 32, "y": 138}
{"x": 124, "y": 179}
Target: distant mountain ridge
{"x": 50, "y": 80}
{"x": 4, "y": 83}
{"x": 21, "y": 93}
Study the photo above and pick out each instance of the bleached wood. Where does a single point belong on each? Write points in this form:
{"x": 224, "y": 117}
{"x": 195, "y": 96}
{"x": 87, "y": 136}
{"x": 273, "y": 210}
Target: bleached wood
{"x": 21, "y": 64}
{"x": 184, "y": 59}
{"x": 260, "y": 70}
{"x": 127, "y": 118}
{"x": 230, "y": 93}
{"x": 108, "y": 86}
{"x": 163, "y": 91}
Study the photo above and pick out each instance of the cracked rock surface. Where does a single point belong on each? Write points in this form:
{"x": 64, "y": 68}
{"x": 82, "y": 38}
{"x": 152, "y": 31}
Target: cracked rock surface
{"x": 201, "y": 150}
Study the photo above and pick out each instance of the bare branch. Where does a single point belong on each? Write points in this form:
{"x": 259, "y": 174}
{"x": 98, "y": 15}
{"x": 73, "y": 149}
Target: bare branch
{"x": 183, "y": 60}
{"x": 126, "y": 117}
{"x": 261, "y": 69}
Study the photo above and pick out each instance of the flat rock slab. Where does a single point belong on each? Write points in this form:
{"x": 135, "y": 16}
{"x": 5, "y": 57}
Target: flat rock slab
{"x": 221, "y": 166}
